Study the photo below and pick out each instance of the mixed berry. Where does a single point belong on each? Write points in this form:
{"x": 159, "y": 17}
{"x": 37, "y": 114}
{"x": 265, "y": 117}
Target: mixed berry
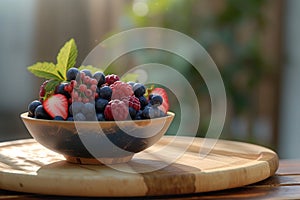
{"x": 83, "y": 95}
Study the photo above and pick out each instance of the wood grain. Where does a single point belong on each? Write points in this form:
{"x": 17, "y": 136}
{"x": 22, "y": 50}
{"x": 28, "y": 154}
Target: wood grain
{"x": 26, "y": 166}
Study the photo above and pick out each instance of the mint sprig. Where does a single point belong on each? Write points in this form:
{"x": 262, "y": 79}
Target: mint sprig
{"x": 56, "y": 73}
{"x": 66, "y": 57}
{"x": 45, "y": 70}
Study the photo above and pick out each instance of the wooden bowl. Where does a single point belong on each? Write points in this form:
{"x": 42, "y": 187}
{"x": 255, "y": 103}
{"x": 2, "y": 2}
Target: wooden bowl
{"x": 93, "y": 142}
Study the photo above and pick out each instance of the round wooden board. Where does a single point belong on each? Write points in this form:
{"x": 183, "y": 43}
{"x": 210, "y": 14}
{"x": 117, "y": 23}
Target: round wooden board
{"x": 26, "y": 166}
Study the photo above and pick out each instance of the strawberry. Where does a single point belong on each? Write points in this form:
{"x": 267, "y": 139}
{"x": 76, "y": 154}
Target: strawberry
{"x": 56, "y": 105}
{"x": 165, "y": 104}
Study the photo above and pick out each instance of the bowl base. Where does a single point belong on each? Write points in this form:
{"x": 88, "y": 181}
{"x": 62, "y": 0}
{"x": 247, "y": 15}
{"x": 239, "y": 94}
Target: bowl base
{"x": 98, "y": 161}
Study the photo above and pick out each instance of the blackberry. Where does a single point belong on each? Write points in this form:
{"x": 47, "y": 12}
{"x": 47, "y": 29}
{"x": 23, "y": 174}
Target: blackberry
{"x": 32, "y": 106}
{"x": 72, "y": 73}
{"x": 139, "y": 89}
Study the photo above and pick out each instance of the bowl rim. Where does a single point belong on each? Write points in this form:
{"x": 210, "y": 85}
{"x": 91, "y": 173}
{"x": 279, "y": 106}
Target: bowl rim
{"x": 25, "y": 116}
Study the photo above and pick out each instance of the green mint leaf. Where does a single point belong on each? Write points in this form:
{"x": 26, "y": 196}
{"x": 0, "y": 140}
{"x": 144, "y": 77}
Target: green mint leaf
{"x": 45, "y": 70}
{"x": 66, "y": 57}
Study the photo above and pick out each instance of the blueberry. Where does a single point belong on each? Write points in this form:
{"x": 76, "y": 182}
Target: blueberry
{"x": 139, "y": 89}
{"x": 91, "y": 117}
{"x": 70, "y": 119}
{"x": 100, "y": 77}
{"x": 40, "y": 113}
{"x": 148, "y": 113}
{"x": 87, "y": 72}
{"x": 143, "y": 101}
{"x": 156, "y": 100}
{"x": 132, "y": 112}
{"x": 32, "y": 106}
{"x": 59, "y": 118}
{"x": 150, "y": 96}
{"x": 75, "y": 108}
{"x": 105, "y": 92}
{"x": 100, "y": 105}
{"x": 79, "y": 117}
{"x": 151, "y": 112}
{"x": 139, "y": 115}
{"x": 88, "y": 108}
{"x": 100, "y": 117}
{"x": 131, "y": 83}
{"x": 72, "y": 73}
{"x": 61, "y": 90}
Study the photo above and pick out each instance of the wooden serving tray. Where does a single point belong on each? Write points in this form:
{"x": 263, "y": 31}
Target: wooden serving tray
{"x": 26, "y": 166}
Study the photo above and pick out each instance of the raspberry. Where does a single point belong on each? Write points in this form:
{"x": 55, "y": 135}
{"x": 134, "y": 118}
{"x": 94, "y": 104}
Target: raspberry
{"x": 121, "y": 90}
{"x": 84, "y": 91}
{"x": 82, "y": 87}
{"x": 110, "y": 79}
{"x": 42, "y": 92}
{"x": 116, "y": 110}
{"x": 133, "y": 102}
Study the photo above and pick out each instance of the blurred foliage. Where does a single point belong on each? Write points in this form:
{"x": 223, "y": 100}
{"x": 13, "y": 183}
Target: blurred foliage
{"x": 229, "y": 30}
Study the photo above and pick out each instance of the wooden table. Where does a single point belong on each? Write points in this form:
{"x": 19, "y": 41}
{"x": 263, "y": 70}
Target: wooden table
{"x": 284, "y": 185}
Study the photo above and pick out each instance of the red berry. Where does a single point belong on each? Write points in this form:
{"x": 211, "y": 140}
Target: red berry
{"x": 68, "y": 88}
{"x": 93, "y": 82}
{"x": 73, "y": 83}
{"x": 82, "y": 87}
{"x": 93, "y": 87}
{"x": 86, "y": 80}
{"x": 110, "y": 79}
{"x": 42, "y": 92}
{"x": 85, "y": 100}
{"x": 116, "y": 110}
{"x": 82, "y": 75}
{"x": 165, "y": 104}
{"x": 75, "y": 95}
{"x": 56, "y": 105}
{"x": 133, "y": 102}
{"x": 88, "y": 92}
{"x": 121, "y": 90}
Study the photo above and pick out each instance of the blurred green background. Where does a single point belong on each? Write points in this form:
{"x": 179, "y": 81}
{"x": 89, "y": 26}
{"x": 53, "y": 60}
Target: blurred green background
{"x": 250, "y": 42}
